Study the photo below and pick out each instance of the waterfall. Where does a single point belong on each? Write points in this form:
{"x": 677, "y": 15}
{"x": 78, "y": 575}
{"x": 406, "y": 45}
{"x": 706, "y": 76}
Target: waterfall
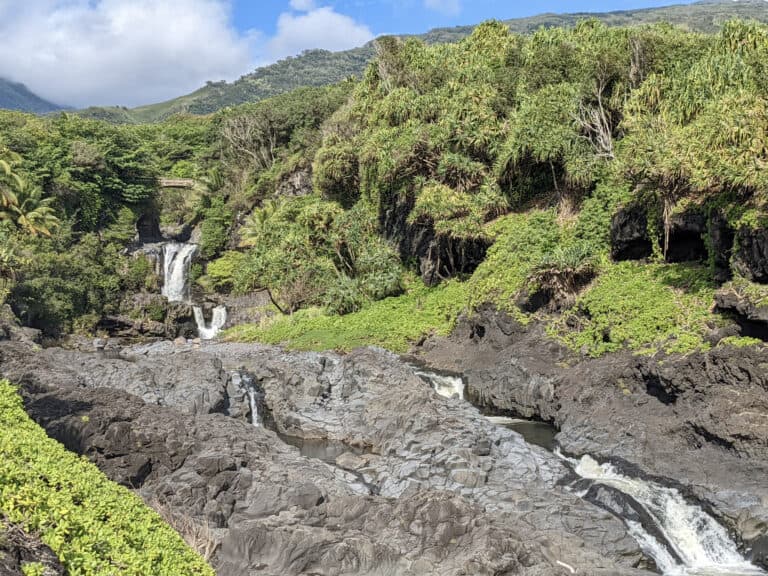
{"x": 177, "y": 259}
{"x": 446, "y": 386}
{"x": 698, "y": 545}
{"x": 699, "y": 541}
{"x": 209, "y": 332}
{"x": 244, "y": 382}
{"x": 254, "y": 406}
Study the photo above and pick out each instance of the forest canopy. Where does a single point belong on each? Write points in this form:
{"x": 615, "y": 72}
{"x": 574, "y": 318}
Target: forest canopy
{"x": 432, "y": 165}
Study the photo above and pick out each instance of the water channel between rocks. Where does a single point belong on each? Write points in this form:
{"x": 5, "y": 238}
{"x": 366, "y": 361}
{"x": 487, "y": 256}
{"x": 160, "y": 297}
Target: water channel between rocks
{"x": 682, "y": 539}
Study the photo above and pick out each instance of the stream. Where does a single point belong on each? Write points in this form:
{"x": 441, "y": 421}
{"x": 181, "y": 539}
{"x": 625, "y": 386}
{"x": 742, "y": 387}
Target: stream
{"x": 687, "y": 541}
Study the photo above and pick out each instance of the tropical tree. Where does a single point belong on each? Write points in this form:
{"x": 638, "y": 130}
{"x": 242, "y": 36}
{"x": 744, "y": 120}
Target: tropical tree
{"x": 8, "y": 179}
{"x": 258, "y": 223}
{"x": 31, "y": 212}
{"x": 9, "y": 263}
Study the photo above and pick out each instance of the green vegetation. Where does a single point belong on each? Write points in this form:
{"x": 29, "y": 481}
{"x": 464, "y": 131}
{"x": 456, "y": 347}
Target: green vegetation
{"x": 641, "y": 307}
{"x": 94, "y": 526}
{"x": 533, "y": 143}
{"x": 392, "y": 323}
{"x": 522, "y": 242}
{"x": 496, "y": 161}
{"x": 492, "y": 166}
{"x": 322, "y": 68}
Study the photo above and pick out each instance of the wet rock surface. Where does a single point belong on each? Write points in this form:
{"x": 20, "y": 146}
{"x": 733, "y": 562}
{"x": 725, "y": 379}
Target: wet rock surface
{"x": 697, "y": 422}
{"x": 425, "y": 485}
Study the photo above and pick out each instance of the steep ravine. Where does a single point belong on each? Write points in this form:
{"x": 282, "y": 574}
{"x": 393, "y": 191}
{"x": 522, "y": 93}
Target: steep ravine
{"x": 390, "y": 477}
{"x": 696, "y": 423}
{"x": 457, "y": 494}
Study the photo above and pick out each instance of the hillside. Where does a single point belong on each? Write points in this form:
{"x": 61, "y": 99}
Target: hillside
{"x": 568, "y": 226}
{"x": 321, "y": 68}
{"x": 14, "y": 96}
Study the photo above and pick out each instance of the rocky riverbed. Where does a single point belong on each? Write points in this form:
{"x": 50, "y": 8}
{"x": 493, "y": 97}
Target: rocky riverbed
{"x": 401, "y": 480}
{"x": 699, "y": 422}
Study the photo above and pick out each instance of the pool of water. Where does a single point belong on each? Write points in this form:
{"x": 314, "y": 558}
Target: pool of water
{"x": 538, "y": 433}
{"x": 318, "y": 448}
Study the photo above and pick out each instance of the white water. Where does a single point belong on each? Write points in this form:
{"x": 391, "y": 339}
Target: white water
{"x": 504, "y": 420}
{"x": 254, "y": 406}
{"x": 245, "y": 383}
{"x": 447, "y": 386}
{"x": 210, "y": 331}
{"x": 699, "y": 541}
{"x": 177, "y": 259}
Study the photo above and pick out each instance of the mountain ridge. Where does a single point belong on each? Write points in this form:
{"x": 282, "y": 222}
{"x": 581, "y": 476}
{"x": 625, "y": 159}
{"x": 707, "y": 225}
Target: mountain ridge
{"x": 318, "y": 67}
{"x": 16, "y": 96}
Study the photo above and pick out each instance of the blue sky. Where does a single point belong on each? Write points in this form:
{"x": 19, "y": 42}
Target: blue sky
{"x": 415, "y": 16}
{"x": 133, "y": 52}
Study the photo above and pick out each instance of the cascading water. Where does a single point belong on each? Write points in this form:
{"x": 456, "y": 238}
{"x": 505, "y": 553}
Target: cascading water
{"x": 446, "y": 386}
{"x": 177, "y": 258}
{"x": 702, "y": 544}
{"x": 244, "y": 382}
{"x": 206, "y": 331}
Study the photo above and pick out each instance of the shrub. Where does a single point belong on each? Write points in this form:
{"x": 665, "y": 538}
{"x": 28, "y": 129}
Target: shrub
{"x": 522, "y": 240}
{"x": 215, "y": 228}
{"x": 222, "y": 272}
{"x": 394, "y": 323}
{"x": 93, "y": 525}
{"x": 641, "y": 307}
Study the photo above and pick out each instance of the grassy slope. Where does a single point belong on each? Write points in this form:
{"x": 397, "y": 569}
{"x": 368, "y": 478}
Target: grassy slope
{"x": 392, "y": 323}
{"x": 318, "y": 68}
{"x": 93, "y": 525}
{"x": 643, "y": 307}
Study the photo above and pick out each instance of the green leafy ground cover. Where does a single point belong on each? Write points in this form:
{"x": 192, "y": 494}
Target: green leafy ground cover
{"x": 643, "y": 307}
{"x": 93, "y": 525}
{"x": 639, "y": 306}
{"x": 392, "y": 323}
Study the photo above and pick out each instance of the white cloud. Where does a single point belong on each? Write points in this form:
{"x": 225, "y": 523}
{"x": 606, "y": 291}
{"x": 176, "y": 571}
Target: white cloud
{"x": 450, "y": 7}
{"x": 126, "y": 52}
{"x": 133, "y": 52}
{"x": 303, "y": 5}
{"x": 317, "y": 28}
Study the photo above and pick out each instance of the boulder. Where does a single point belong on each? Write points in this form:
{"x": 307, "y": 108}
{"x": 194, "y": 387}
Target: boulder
{"x": 11, "y": 328}
{"x": 629, "y": 234}
{"x": 751, "y": 316}
{"x": 750, "y": 256}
